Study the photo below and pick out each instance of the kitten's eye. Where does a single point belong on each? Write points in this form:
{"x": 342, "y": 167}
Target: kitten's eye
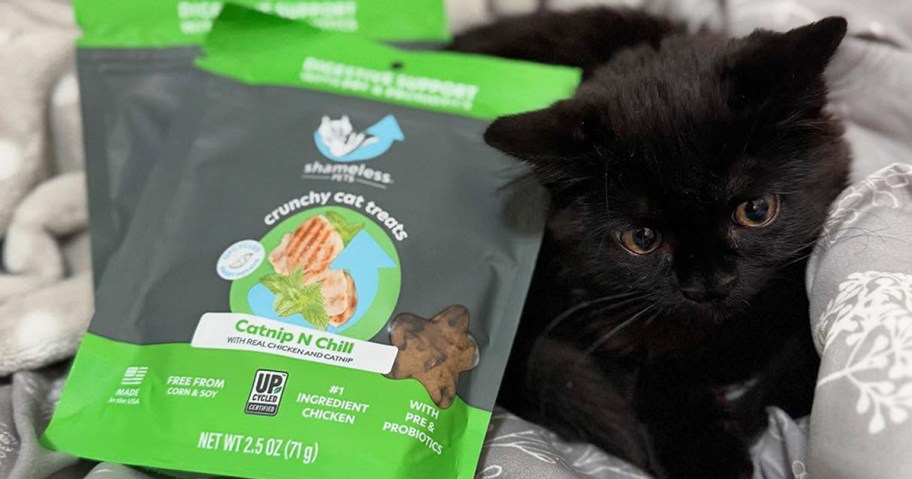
{"x": 640, "y": 241}
{"x": 757, "y": 212}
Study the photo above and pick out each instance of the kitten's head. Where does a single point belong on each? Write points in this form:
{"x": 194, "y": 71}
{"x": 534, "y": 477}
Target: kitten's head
{"x": 694, "y": 173}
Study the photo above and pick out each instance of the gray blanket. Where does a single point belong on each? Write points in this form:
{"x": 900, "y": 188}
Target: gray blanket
{"x": 860, "y": 278}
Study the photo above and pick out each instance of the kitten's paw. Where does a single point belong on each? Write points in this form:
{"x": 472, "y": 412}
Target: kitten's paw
{"x": 716, "y": 456}
{"x": 721, "y": 467}
{"x": 748, "y": 419}
{"x": 720, "y": 470}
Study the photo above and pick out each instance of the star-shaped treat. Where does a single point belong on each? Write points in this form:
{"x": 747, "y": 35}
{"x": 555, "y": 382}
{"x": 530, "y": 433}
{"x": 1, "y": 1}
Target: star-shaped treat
{"x": 434, "y": 351}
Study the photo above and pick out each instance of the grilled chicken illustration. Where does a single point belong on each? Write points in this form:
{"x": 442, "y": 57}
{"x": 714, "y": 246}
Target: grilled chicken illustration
{"x": 312, "y": 247}
{"x": 338, "y": 290}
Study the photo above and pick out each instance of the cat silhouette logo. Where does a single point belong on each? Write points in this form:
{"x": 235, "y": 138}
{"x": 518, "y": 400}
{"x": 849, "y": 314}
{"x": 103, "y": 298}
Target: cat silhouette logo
{"x": 339, "y": 141}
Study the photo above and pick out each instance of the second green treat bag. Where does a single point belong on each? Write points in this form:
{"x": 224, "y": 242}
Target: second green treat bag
{"x": 135, "y": 61}
{"x": 325, "y": 273}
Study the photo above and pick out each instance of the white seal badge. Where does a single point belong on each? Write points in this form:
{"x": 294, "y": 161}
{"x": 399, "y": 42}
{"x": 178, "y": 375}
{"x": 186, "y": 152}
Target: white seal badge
{"x": 240, "y": 259}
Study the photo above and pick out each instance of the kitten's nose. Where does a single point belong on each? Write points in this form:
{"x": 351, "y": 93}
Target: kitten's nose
{"x": 709, "y": 290}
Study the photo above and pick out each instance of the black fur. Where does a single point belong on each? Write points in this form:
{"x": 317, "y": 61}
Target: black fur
{"x": 671, "y": 135}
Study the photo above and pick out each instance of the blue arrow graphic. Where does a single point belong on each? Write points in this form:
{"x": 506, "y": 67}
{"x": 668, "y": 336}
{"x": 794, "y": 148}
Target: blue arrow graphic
{"x": 385, "y": 133}
{"x": 363, "y": 259}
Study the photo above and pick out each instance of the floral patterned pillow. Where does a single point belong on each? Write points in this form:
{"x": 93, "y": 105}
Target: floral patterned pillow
{"x": 860, "y": 283}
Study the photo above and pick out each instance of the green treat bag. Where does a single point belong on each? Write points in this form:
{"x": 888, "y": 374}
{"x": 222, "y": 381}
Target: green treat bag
{"x": 325, "y": 271}
{"x": 135, "y": 61}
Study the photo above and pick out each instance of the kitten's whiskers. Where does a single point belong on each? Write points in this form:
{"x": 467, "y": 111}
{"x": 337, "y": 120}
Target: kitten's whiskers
{"x": 607, "y": 336}
{"x": 626, "y": 298}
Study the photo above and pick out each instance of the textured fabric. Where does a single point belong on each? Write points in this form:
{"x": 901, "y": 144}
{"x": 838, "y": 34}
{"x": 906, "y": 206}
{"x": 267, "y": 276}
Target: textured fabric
{"x": 861, "y": 290}
{"x": 859, "y": 278}
{"x": 46, "y": 298}
{"x": 38, "y": 84}
{"x": 26, "y": 404}
{"x": 45, "y": 291}
{"x": 517, "y": 449}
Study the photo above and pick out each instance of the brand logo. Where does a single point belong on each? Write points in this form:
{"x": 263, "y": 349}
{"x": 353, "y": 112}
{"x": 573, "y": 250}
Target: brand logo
{"x": 266, "y": 392}
{"x": 240, "y": 259}
{"x": 340, "y": 142}
{"x": 347, "y": 173}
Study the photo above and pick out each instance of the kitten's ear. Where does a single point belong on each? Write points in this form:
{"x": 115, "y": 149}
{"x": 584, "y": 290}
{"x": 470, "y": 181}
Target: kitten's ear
{"x": 554, "y": 141}
{"x": 770, "y": 64}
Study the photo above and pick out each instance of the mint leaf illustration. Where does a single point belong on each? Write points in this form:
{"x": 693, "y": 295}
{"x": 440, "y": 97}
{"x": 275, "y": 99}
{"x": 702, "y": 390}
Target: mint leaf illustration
{"x": 346, "y": 229}
{"x": 292, "y": 297}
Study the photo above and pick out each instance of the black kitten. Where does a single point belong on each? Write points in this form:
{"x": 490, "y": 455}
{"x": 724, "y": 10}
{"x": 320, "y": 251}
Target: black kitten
{"x": 690, "y": 178}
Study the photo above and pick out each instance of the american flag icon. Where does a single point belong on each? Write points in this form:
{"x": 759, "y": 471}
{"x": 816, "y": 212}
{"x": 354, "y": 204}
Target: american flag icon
{"x": 134, "y": 375}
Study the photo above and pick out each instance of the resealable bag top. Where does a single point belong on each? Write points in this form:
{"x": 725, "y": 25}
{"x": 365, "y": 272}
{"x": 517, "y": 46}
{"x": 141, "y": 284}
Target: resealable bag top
{"x": 170, "y": 23}
{"x": 325, "y": 272}
{"x": 135, "y": 60}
